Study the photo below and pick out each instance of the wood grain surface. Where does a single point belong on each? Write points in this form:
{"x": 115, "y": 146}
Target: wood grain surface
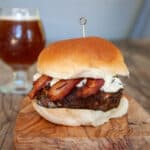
{"x": 137, "y": 56}
{"x": 33, "y": 132}
{"x": 9, "y": 107}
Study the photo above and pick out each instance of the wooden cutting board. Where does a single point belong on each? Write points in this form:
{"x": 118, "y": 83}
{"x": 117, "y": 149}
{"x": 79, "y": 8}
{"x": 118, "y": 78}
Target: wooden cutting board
{"x": 33, "y": 132}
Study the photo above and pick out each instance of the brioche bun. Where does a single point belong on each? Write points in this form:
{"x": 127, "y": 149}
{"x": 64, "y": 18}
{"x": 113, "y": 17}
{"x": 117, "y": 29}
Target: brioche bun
{"x": 90, "y": 57}
{"x": 77, "y": 117}
{"x": 83, "y": 57}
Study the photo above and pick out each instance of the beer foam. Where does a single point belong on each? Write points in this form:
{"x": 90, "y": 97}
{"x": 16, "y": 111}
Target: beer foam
{"x": 20, "y": 18}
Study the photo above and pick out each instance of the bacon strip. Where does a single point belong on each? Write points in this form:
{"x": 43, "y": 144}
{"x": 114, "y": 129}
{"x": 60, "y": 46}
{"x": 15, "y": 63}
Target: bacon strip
{"x": 62, "y": 88}
{"x": 39, "y": 84}
{"x": 91, "y": 87}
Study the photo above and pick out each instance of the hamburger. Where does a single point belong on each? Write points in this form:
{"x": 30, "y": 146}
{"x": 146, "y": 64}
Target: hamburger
{"x": 77, "y": 82}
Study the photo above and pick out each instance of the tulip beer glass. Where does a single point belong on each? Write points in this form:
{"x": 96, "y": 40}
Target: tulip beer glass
{"x": 21, "y": 40}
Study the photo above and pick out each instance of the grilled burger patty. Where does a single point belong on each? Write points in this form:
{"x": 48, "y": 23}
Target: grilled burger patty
{"x": 99, "y": 101}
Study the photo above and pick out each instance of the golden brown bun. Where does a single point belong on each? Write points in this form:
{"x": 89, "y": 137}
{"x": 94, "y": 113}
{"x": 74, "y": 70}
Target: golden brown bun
{"x": 77, "y": 117}
{"x": 82, "y": 57}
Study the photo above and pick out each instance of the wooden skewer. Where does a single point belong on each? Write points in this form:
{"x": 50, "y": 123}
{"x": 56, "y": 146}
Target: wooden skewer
{"x": 83, "y": 22}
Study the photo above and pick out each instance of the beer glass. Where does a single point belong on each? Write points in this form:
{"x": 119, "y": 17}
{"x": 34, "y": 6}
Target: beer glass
{"x": 21, "y": 40}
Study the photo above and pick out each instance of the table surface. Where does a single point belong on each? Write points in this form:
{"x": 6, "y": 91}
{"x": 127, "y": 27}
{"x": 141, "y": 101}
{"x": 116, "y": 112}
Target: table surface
{"x": 137, "y": 56}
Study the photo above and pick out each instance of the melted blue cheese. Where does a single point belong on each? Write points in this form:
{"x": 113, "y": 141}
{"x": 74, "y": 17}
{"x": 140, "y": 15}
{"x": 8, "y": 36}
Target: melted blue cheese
{"x": 112, "y": 84}
{"x": 81, "y": 83}
{"x": 36, "y": 76}
{"x": 53, "y": 81}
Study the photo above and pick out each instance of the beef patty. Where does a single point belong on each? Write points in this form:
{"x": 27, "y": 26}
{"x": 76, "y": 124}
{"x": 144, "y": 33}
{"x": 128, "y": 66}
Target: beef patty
{"x": 99, "y": 101}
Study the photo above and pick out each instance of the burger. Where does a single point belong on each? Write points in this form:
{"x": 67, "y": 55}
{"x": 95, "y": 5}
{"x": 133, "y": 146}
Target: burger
{"x": 77, "y": 82}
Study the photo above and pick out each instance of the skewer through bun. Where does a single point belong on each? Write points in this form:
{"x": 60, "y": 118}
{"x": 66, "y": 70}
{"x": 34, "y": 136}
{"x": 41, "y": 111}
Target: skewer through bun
{"x": 78, "y": 82}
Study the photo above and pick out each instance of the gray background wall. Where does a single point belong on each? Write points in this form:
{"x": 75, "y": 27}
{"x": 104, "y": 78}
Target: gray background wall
{"x": 112, "y": 19}
{"x": 142, "y": 26}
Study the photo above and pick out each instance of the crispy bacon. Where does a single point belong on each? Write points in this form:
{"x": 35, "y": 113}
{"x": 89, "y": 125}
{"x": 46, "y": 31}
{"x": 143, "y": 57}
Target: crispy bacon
{"x": 61, "y": 89}
{"x": 39, "y": 84}
{"x": 91, "y": 87}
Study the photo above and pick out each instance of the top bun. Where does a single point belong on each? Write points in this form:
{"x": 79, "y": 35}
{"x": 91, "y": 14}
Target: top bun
{"x": 82, "y": 57}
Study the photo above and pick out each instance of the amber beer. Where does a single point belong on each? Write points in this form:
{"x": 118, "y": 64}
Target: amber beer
{"x": 20, "y": 41}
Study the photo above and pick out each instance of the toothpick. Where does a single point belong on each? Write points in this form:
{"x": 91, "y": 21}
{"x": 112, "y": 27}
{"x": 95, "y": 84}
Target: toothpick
{"x": 83, "y": 22}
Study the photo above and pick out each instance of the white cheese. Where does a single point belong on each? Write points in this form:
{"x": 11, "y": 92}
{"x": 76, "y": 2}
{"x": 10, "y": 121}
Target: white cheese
{"x": 81, "y": 83}
{"x": 112, "y": 84}
{"x": 36, "y": 76}
{"x": 53, "y": 81}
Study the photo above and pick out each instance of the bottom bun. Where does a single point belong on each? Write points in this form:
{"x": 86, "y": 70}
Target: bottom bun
{"x": 77, "y": 117}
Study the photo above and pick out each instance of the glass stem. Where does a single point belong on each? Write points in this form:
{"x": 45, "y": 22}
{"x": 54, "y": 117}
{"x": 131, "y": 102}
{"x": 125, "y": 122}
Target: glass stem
{"x": 19, "y": 78}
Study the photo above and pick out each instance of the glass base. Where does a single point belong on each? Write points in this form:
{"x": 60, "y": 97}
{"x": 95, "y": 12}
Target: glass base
{"x": 12, "y": 88}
